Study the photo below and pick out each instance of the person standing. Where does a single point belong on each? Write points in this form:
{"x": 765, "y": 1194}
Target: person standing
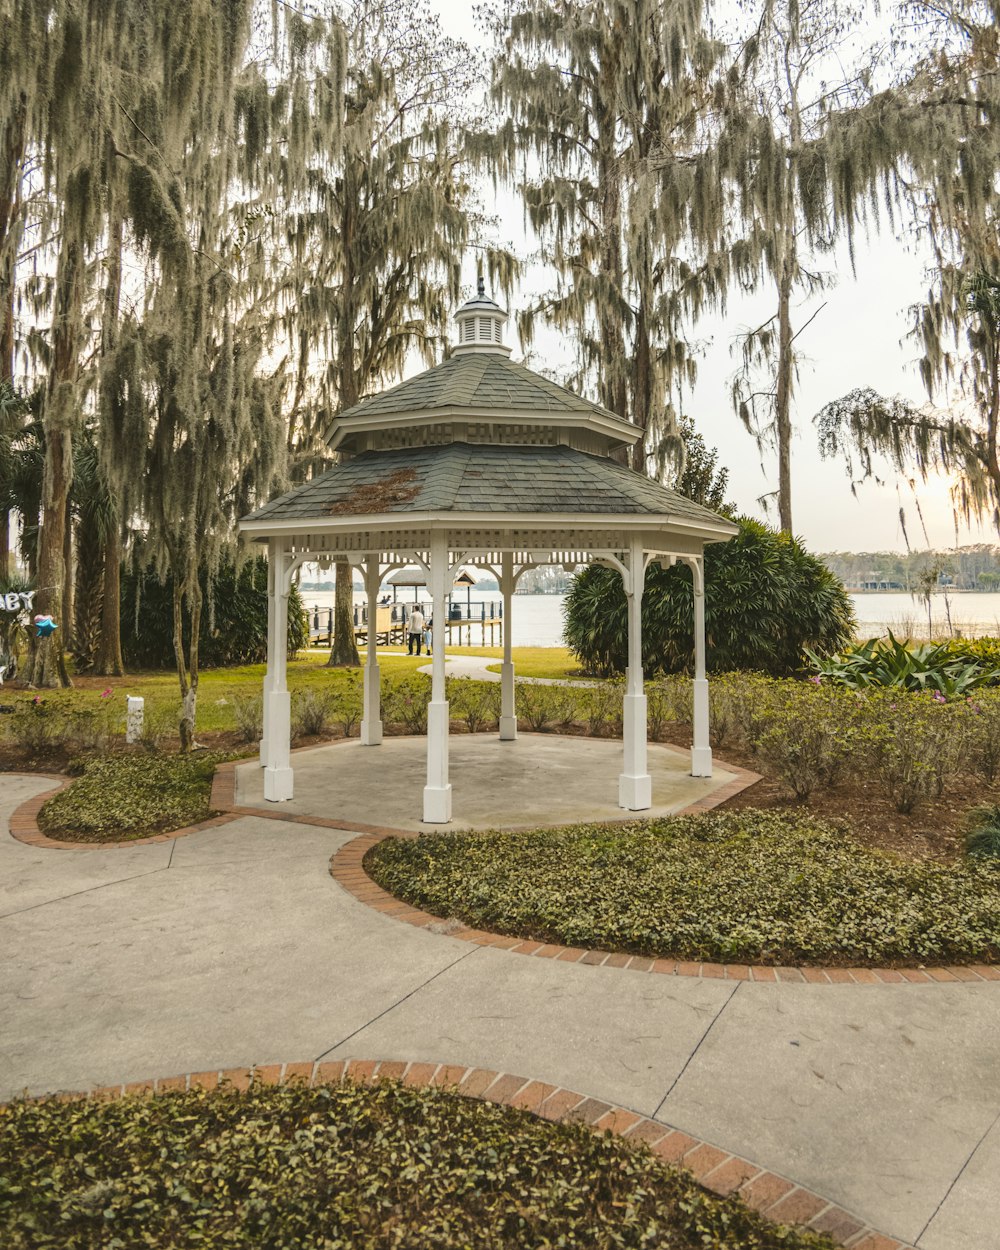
{"x": 415, "y": 631}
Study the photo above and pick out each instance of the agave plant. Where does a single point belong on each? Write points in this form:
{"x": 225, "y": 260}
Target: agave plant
{"x": 888, "y": 662}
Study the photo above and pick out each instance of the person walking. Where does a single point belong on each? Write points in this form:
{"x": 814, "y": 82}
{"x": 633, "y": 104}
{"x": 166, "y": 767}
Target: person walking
{"x": 428, "y": 635}
{"x": 415, "y": 631}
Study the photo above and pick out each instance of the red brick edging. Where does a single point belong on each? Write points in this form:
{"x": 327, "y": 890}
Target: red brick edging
{"x": 726, "y": 1174}
{"x": 347, "y": 869}
{"x": 23, "y": 824}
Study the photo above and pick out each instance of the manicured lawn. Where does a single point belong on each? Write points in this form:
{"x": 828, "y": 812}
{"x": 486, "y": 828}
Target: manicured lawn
{"x": 120, "y": 797}
{"x": 745, "y": 886}
{"x": 338, "y": 1167}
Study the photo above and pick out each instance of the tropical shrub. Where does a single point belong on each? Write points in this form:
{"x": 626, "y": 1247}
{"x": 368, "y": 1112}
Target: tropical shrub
{"x": 248, "y": 712}
{"x": 807, "y": 739}
{"x": 888, "y": 662}
{"x": 404, "y": 701}
{"x": 233, "y": 622}
{"x": 475, "y": 702}
{"x": 347, "y": 704}
{"x": 543, "y": 706}
{"x": 742, "y": 886}
{"x": 312, "y": 713}
{"x": 53, "y": 726}
{"x": 766, "y": 599}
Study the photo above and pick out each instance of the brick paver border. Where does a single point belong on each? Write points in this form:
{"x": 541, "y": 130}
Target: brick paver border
{"x": 726, "y": 1174}
{"x": 347, "y": 869}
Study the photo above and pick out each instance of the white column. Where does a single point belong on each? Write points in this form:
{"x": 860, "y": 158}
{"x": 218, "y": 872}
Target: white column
{"x": 635, "y": 786}
{"x": 701, "y": 751}
{"x": 277, "y": 700}
{"x": 508, "y": 713}
{"x": 371, "y": 720}
{"x": 272, "y": 564}
{"x": 437, "y": 792}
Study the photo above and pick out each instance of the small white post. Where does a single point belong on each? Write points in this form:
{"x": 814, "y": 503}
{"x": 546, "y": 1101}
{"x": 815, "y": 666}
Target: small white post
{"x": 134, "y": 706}
{"x": 437, "y": 792}
{"x": 508, "y": 712}
{"x": 371, "y": 721}
{"x": 701, "y": 750}
{"x": 635, "y": 786}
{"x": 277, "y": 700}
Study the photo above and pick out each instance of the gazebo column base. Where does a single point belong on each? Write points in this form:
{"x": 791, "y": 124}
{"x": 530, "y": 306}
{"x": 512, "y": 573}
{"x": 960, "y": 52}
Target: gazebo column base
{"x": 437, "y": 805}
{"x": 701, "y": 761}
{"x": 278, "y": 784}
{"x": 635, "y": 794}
{"x": 371, "y": 724}
{"x": 508, "y": 719}
{"x": 437, "y": 792}
{"x": 701, "y": 752}
{"x": 635, "y": 786}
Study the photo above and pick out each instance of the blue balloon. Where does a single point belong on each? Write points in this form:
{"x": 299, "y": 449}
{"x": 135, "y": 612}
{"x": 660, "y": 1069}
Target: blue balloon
{"x": 45, "y": 626}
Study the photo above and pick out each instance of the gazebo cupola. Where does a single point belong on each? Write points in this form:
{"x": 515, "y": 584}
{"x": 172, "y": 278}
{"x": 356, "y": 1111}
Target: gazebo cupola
{"x": 480, "y": 325}
{"x": 481, "y": 461}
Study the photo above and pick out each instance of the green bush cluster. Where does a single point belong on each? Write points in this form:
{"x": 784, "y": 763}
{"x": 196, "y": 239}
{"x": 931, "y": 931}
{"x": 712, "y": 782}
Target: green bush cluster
{"x": 751, "y": 886}
{"x": 129, "y": 796}
{"x": 233, "y": 624}
{"x": 346, "y": 1166}
{"x": 766, "y": 598}
{"x": 810, "y": 735}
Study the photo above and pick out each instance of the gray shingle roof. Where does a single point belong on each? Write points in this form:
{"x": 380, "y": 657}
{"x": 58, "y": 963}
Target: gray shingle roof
{"x": 461, "y": 477}
{"x": 487, "y": 380}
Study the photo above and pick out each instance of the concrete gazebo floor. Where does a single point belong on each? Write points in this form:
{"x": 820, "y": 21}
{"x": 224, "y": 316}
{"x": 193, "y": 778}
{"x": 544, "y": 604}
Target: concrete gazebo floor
{"x": 540, "y": 779}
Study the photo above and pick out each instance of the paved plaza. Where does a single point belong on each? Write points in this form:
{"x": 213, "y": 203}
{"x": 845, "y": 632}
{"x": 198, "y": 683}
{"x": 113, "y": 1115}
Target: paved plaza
{"x": 234, "y": 946}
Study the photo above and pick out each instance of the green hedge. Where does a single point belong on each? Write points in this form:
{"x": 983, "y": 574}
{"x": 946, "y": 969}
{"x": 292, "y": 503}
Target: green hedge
{"x": 766, "y": 598}
{"x": 746, "y": 886}
{"x": 346, "y": 1168}
{"x": 233, "y": 623}
{"x": 129, "y": 796}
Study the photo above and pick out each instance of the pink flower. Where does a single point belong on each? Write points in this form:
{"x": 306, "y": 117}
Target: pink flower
{"x": 815, "y": 680}
{"x": 37, "y": 699}
{"x": 106, "y": 694}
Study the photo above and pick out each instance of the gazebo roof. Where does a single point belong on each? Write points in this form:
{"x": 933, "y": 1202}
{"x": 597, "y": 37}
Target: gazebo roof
{"x": 481, "y": 386}
{"x": 460, "y": 478}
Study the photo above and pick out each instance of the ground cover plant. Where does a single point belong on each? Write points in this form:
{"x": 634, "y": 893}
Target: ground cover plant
{"x": 120, "y": 797}
{"x": 732, "y": 887}
{"x": 370, "y": 1168}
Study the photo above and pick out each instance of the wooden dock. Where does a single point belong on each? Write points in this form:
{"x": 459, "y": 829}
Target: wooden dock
{"x": 391, "y": 626}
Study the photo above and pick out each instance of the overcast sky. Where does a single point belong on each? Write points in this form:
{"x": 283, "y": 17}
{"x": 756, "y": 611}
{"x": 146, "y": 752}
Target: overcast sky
{"x": 854, "y": 341}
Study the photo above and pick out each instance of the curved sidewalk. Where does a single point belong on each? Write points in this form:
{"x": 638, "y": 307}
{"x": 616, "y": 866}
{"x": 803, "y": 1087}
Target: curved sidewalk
{"x": 233, "y": 947}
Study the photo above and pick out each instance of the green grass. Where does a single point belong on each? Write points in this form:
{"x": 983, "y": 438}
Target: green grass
{"x": 121, "y": 797}
{"x": 338, "y": 1167}
{"x": 745, "y": 886}
{"x": 219, "y": 687}
{"x": 554, "y": 663}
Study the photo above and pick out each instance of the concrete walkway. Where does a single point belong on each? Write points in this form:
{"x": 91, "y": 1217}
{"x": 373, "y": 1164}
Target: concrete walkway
{"x": 234, "y": 946}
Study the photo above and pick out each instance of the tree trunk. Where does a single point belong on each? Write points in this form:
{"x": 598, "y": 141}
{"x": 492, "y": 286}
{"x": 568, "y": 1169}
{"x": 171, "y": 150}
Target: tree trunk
{"x": 186, "y": 725}
{"x": 109, "y": 661}
{"x": 88, "y": 596}
{"x": 58, "y": 419}
{"x": 783, "y": 400}
{"x": 344, "y": 650}
{"x": 68, "y": 621}
{"x": 11, "y": 160}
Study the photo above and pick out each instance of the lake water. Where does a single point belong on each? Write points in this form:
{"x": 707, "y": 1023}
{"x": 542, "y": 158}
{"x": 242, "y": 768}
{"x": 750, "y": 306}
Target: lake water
{"x": 537, "y": 619}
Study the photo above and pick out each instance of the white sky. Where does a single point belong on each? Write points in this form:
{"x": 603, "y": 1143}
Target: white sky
{"x": 854, "y": 341}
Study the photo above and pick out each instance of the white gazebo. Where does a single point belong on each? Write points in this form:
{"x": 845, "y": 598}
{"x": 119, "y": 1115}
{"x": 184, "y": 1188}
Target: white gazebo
{"x": 479, "y": 462}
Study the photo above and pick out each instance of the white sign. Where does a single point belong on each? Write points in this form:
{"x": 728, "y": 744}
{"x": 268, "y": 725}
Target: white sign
{"x": 16, "y": 601}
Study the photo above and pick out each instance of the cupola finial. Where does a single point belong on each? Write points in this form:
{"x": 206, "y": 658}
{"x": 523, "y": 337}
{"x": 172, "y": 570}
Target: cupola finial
{"x": 481, "y": 287}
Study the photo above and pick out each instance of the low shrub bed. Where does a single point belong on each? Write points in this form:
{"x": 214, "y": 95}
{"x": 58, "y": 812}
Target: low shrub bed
{"x": 120, "y": 797}
{"x": 345, "y": 1166}
{"x": 746, "y": 886}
